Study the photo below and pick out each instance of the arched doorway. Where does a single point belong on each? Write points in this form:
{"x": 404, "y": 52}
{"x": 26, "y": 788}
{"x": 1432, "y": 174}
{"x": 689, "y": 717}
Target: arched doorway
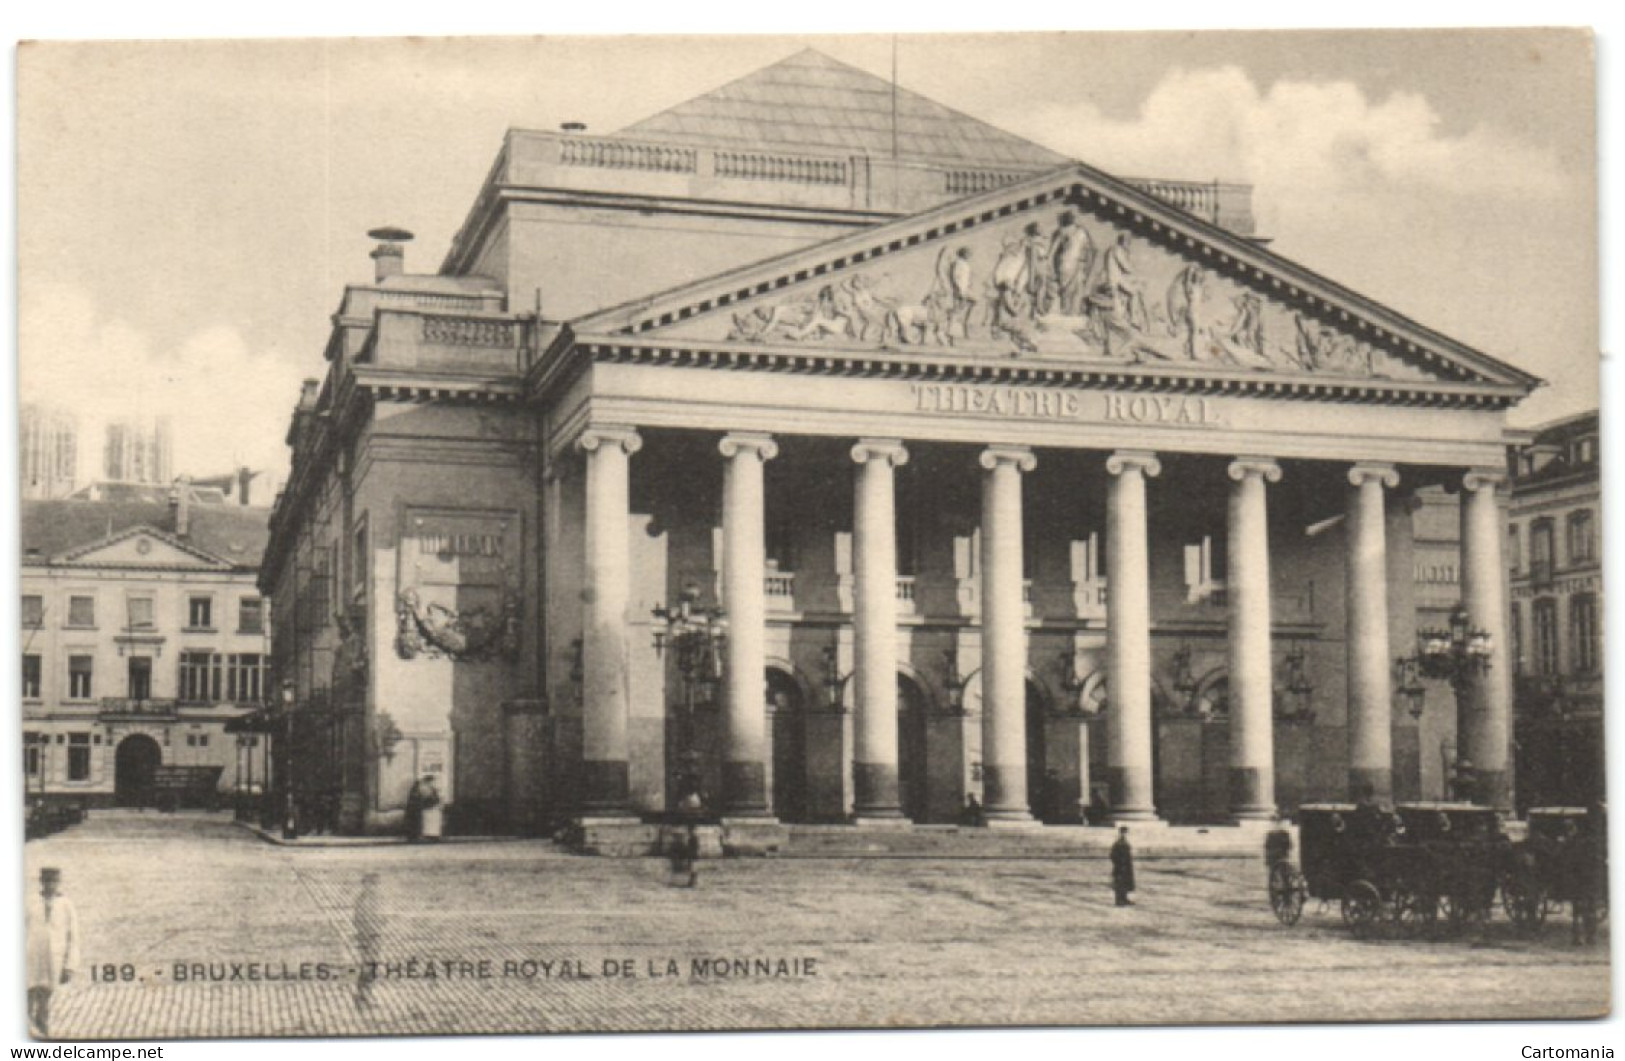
{"x": 1040, "y": 798}
{"x": 134, "y": 765}
{"x": 911, "y": 762}
{"x": 787, "y": 726}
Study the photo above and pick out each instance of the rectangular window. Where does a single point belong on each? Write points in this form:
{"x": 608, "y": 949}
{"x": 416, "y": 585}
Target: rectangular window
{"x": 1582, "y": 542}
{"x": 359, "y": 558}
{"x": 140, "y": 613}
{"x": 31, "y": 677}
{"x": 200, "y": 613}
{"x": 1545, "y": 622}
{"x": 80, "y": 669}
{"x": 1204, "y": 568}
{"x": 78, "y": 757}
{"x": 200, "y": 677}
{"x": 140, "y": 678}
{"x": 32, "y": 754}
{"x": 1541, "y": 550}
{"x": 33, "y": 610}
{"x": 251, "y": 616}
{"x": 1583, "y": 633}
{"x": 1517, "y": 638}
{"x": 243, "y": 677}
{"x": 1514, "y": 550}
{"x": 81, "y": 611}
{"x": 202, "y": 740}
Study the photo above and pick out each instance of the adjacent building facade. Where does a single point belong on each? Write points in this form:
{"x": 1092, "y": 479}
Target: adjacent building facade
{"x": 143, "y": 635}
{"x": 1555, "y": 561}
{"x": 838, "y": 473}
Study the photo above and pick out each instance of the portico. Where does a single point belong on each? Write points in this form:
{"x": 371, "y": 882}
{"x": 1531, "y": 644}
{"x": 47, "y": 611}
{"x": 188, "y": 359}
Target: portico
{"x": 1009, "y": 493}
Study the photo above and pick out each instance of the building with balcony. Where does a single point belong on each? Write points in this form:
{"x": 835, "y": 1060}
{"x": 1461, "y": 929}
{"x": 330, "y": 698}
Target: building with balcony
{"x": 143, "y": 636}
{"x": 836, "y": 471}
{"x": 1554, "y": 557}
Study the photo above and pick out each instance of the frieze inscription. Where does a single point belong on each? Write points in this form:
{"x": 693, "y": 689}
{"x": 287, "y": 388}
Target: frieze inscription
{"x": 1037, "y": 403}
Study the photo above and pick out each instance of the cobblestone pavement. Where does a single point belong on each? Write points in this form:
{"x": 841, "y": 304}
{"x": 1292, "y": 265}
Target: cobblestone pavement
{"x": 222, "y": 934}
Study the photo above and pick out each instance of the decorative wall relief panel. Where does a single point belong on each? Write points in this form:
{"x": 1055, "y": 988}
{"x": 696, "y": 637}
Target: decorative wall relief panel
{"x": 458, "y": 593}
{"x": 1053, "y": 282}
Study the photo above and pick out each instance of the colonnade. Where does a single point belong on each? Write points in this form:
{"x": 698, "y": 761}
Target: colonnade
{"x": 605, "y": 642}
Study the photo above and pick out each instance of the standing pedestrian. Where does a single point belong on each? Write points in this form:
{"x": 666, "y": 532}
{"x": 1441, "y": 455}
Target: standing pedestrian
{"x": 433, "y": 812}
{"x": 414, "y": 813}
{"x": 1122, "y": 868}
{"x": 53, "y": 948}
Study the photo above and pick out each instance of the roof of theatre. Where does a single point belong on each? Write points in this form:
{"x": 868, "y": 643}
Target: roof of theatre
{"x": 812, "y": 103}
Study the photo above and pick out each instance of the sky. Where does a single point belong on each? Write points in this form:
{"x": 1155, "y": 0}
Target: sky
{"x": 189, "y": 211}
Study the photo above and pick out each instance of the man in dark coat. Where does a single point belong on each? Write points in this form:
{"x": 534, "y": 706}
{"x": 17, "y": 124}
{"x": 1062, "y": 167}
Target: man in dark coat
{"x": 1122, "y": 868}
{"x": 414, "y": 813}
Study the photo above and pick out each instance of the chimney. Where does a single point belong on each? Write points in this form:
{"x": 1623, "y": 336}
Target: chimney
{"x": 244, "y": 477}
{"x": 181, "y": 501}
{"x": 389, "y": 257}
{"x": 308, "y": 390}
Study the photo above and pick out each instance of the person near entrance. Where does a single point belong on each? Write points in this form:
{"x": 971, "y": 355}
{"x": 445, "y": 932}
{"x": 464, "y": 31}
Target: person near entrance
{"x": 53, "y": 948}
{"x": 432, "y": 812}
{"x": 1122, "y": 868}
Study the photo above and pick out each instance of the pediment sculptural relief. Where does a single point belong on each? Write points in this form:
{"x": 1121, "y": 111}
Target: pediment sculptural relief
{"x": 1071, "y": 286}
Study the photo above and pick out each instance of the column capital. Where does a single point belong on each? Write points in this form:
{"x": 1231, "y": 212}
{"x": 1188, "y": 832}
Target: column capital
{"x": 1362, "y": 472}
{"x": 1140, "y": 460}
{"x": 1265, "y": 467}
{"x": 598, "y": 435}
{"x": 1020, "y": 456}
{"x": 754, "y": 442}
{"x": 1484, "y": 478}
{"x": 890, "y": 449}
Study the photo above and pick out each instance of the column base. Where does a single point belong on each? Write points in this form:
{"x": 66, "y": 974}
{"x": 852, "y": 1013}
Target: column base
{"x": 876, "y": 789}
{"x": 616, "y": 836}
{"x": 1024, "y": 824}
{"x": 1252, "y": 793}
{"x": 753, "y": 835}
{"x": 605, "y": 792}
{"x": 744, "y": 791}
{"x": 1378, "y": 780}
{"x": 1492, "y": 789}
{"x": 1004, "y": 793}
{"x": 1129, "y": 792}
{"x": 870, "y": 821}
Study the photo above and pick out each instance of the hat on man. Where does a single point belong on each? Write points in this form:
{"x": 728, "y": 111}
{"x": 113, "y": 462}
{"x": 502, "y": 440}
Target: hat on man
{"x": 50, "y": 873}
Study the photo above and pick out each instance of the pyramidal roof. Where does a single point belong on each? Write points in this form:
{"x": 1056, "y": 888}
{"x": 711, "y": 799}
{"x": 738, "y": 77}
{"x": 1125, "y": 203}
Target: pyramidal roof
{"x": 812, "y": 103}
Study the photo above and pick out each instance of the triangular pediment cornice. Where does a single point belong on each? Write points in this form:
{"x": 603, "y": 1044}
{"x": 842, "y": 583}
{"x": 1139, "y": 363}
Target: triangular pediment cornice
{"x": 1430, "y": 360}
{"x": 123, "y": 549}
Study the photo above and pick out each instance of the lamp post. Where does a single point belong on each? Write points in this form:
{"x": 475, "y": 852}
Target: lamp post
{"x": 697, "y": 637}
{"x": 1299, "y": 687}
{"x": 1458, "y": 654}
{"x": 290, "y": 825}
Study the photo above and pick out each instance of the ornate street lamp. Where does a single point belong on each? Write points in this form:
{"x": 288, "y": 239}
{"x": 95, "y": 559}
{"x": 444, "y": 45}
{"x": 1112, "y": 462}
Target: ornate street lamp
{"x": 834, "y": 680}
{"x": 1409, "y": 682}
{"x": 697, "y": 637}
{"x": 1299, "y": 687}
{"x": 1457, "y": 654}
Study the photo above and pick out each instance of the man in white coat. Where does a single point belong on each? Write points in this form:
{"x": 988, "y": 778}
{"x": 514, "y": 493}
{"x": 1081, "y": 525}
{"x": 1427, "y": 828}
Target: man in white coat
{"x": 53, "y": 948}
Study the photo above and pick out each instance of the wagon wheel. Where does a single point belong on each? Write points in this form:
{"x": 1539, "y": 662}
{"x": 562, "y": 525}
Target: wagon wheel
{"x": 1287, "y": 893}
{"x": 1468, "y": 912}
{"x": 1362, "y": 904}
{"x": 1416, "y": 910}
{"x": 1524, "y": 900}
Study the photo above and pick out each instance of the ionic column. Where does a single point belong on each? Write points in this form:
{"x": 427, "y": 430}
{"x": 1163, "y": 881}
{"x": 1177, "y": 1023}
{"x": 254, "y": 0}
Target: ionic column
{"x": 744, "y": 771}
{"x": 1128, "y": 637}
{"x": 1004, "y": 636}
{"x": 605, "y": 683}
{"x": 1252, "y": 743}
{"x": 875, "y": 628}
{"x": 1371, "y": 762}
{"x": 1484, "y": 720}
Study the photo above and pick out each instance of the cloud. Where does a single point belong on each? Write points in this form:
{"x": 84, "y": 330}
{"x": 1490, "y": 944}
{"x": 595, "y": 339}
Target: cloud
{"x": 1300, "y": 143}
{"x": 227, "y": 404}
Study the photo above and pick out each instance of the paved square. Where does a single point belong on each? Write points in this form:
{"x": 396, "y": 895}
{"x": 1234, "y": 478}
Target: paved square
{"x": 223, "y": 934}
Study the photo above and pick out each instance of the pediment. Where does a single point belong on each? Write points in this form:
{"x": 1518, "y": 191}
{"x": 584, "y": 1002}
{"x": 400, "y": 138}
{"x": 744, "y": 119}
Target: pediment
{"x": 1072, "y": 266}
{"x": 142, "y": 546}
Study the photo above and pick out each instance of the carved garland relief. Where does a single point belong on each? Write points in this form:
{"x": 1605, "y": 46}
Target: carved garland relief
{"x": 1080, "y": 289}
{"x": 459, "y": 596}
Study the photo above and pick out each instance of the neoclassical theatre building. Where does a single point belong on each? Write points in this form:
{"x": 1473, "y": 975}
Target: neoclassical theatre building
{"x": 843, "y": 475}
